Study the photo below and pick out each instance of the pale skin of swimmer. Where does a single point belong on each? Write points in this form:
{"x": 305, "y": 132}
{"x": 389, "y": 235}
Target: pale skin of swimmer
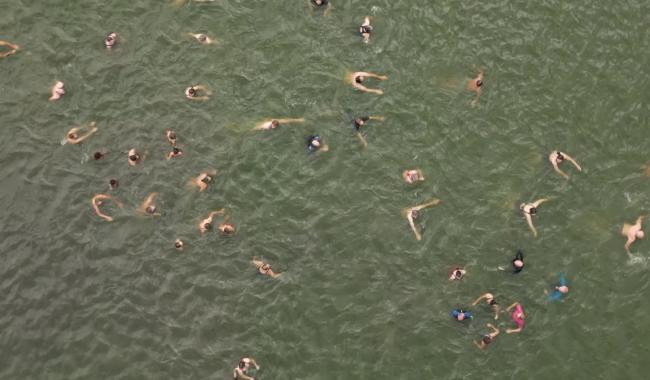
{"x": 191, "y": 92}
{"x": 204, "y": 179}
{"x": 526, "y": 209}
{"x": 495, "y": 331}
{"x": 99, "y": 199}
{"x": 360, "y": 123}
{"x": 206, "y": 224}
{"x": 557, "y": 157}
{"x": 148, "y": 207}
{"x": 632, "y": 232}
{"x": 57, "y": 91}
{"x": 408, "y": 214}
{"x": 274, "y": 123}
{"x": 412, "y": 176}
{"x": 14, "y": 48}
{"x": 73, "y": 137}
{"x": 264, "y": 268}
{"x": 358, "y": 77}
{"x": 488, "y": 297}
{"x": 475, "y": 85}
{"x": 202, "y": 38}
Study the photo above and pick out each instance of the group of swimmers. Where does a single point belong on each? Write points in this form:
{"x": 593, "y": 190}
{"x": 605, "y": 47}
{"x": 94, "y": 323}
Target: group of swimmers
{"x": 199, "y": 92}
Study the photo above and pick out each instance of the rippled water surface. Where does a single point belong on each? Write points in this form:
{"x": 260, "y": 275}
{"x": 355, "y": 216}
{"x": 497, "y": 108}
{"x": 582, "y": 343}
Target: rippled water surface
{"x": 360, "y": 298}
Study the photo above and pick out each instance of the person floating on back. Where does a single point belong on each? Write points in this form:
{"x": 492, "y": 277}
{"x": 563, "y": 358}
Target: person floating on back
{"x": 265, "y": 269}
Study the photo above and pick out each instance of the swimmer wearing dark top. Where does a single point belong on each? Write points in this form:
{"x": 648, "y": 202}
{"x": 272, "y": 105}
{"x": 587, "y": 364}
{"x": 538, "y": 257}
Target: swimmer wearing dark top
{"x": 365, "y": 30}
{"x": 460, "y": 314}
{"x": 359, "y": 122}
{"x": 518, "y": 262}
{"x": 315, "y": 144}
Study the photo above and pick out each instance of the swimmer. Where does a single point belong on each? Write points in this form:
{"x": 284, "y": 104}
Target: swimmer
{"x": 98, "y": 155}
{"x": 488, "y": 338}
{"x": 264, "y": 268}
{"x": 315, "y": 144}
{"x": 202, "y": 38}
{"x": 178, "y": 244}
{"x": 360, "y": 122}
{"x": 489, "y": 299}
{"x": 206, "y": 224}
{"x": 325, "y": 4}
{"x": 412, "y": 175}
{"x": 204, "y": 179}
{"x": 412, "y": 213}
{"x": 518, "y": 262}
{"x": 475, "y": 85}
{"x": 227, "y": 228}
{"x": 457, "y": 273}
{"x": 73, "y": 134}
{"x": 518, "y": 317}
{"x": 113, "y": 183}
{"x": 365, "y": 30}
{"x": 57, "y": 91}
{"x": 134, "y": 157}
{"x": 148, "y": 207}
{"x": 556, "y": 157}
{"x": 272, "y": 124}
{"x": 176, "y": 152}
{"x": 13, "y": 48}
{"x": 192, "y": 92}
{"x": 171, "y": 137}
{"x": 110, "y": 40}
{"x": 530, "y": 209}
{"x": 358, "y": 77}
{"x": 98, "y": 201}
{"x": 240, "y": 371}
{"x": 559, "y": 290}
{"x": 632, "y": 232}
{"x": 461, "y": 315}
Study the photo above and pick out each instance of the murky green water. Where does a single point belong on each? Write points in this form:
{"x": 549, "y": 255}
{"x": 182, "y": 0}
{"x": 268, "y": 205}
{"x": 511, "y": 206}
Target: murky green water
{"x": 360, "y": 297}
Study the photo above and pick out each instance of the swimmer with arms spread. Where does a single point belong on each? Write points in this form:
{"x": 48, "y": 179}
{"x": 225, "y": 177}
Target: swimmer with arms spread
{"x": 204, "y": 179}
{"x": 13, "y": 48}
{"x": 358, "y": 77}
{"x": 274, "y": 123}
{"x": 518, "y": 317}
{"x": 360, "y": 122}
{"x": 530, "y": 209}
{"x": 99, "y": 199}
{"x": 264, "y": 268}
{"x": 632, "y": 232}
{"x": 489, "y": 299}
{"x": 412, "y": 213}
{"x": 487, "y": 338}
{"x": 57, "y": 91}
{"x": 192, "y": 92}
{"x": 206, "y": 224}
{"x": 240, "y": 371}
{"x": 148, "y": 207}
{"x": 556, "y": 157}
{"x": 72, "y": 137}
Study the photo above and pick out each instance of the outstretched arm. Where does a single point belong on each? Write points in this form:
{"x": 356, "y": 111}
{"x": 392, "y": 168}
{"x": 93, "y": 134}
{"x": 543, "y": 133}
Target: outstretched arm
{"x": 363, "y": 88}
{"x": 495, "y": 331}
{"x": 363, "y": 141}
{"x": 511, "y": 306}
{"x": 539, "y": 202}
{"x": 218, "y": 212}
{"x": 295, "y": 120}
{"x": 510, "y": 331}
{"x": 478, "y": 300}
{"x": 496, "y": 311}
{"x": 478, "y": 344}
{"x": 433, "y": 202}
{"x": 378, "y": 118}
{"x": 415, "y": 230}
{"x": 529, "y": 219}
{"x": 88, "y": 134}
{"x": 628, "y": 243}
{"x": 557, "y": 169}
{"x": 373, "y": 75}
{"x": 257, "y": 263}
{"x": 572, "y": 161}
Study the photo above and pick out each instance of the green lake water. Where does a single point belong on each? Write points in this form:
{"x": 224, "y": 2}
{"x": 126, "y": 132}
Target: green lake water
{"x": 360, "y": 298}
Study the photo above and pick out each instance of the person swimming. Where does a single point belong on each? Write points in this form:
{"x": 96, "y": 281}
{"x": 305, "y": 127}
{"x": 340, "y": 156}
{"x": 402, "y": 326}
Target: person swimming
{"x": 227, "y": 228}
{"x": 264, "y": 268}
{"x": 72, "y": 137}
{"x": 518, "y": 262}
{"x": 460, "y": 314}
{"x": 457, "y": 273}
{"x": 110, "y": 40}
{"x": 559, "y": 290}
{"x": 518, "y": 317}
{"x": 632, "y": 232}
{"x": 489, "y": 299}
{"x": 475, "y": 85}
{"x": 320, "y": 3}
{"x": 359, "y": 122}
{"x": 148, "y": 207}
{"x": 192, "y": 92}
{"x": 98, "y": 155}
{"x": 178, "y": 244}
{"x": 206, "y": 224}
{"x": 412, "y": 175}
{"x": 204, "y": 179}
{"x": 274, "y": 123}
{"x": 315, "y": 144}
{"x": 13, "y": 48}
{"x": 556, "y": 158}
{"x": 133, "y": 157}
{"x": 365, "y": 30}
{"x": 530, "y": 209}
{"x": 113, "y": 183}
{"x": 176, "y": 152}
{"x": 171, "y": 137}
{"x": 98, "y": 200}
{"x": 57, "y": 91}
{"x": 202, "y": 38}
{"x": 412, "y": 213}
{"x": 357, "y": 78}
{"x": 487, "y": 338}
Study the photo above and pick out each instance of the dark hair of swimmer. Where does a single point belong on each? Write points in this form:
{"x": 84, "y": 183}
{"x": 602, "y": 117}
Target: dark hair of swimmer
{"x": 151, "y": 209}
{"x": 98, "y": 155}
{"x": 176, "y": 150}
{"x": 178, "y": 244}
{"x": 191, "y": 91}
{"x": 275, "y": 123}
{"x": 228, "y": 229}
{"x": 202, "y": 37}
{"x": 114, "y": 184}
{"x": 134, "y": 157}
{"x": 493, "y": 302}
{"x": 242, "y": 364}
{"x": 560, "y": 156}
{"x": 365, "y": 29}
{"x": 533, "y": 211}
{"x": 72, "y": 135}
{"x": 172, "y": 135}
{"x": 359, "y": 79}
{"x": 207, "y": 225}
{"x": 479, "y": 83}
{"x": 487, "y": 339}
{"x": 206, "y": 179}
